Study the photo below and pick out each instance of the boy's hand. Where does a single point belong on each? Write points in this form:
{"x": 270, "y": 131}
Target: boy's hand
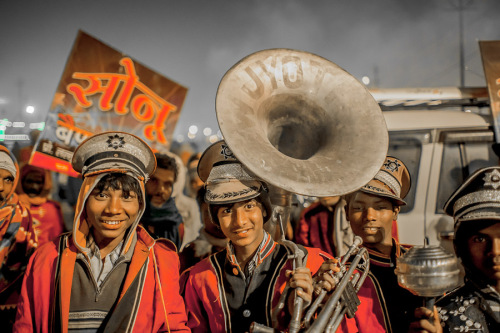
{"x": 324, "y": 277}
{"x": 426, "y": 321}
{"x": 300, "y": 278}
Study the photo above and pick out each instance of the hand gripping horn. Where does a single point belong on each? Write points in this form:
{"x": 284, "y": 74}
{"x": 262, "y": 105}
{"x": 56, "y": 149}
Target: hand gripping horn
{"x": 303, "y": 125}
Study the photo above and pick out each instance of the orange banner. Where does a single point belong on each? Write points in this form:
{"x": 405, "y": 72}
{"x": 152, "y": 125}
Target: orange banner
{"x": 102, "y": 89}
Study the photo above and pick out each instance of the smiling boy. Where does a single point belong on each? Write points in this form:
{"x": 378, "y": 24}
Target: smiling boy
{"x": 108, "y": 274}
{"x": 242, "y": 284}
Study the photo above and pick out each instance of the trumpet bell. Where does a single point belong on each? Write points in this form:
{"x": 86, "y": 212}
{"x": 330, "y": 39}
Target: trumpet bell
{"x": 301, "y": 123}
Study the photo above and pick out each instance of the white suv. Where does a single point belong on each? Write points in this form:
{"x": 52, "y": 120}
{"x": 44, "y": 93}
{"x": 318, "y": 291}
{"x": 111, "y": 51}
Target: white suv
{"x": 440, "y": 148}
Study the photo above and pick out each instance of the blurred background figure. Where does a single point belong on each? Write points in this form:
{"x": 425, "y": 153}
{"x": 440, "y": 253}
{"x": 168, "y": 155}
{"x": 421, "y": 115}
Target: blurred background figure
{"x": 17, "y": 239}
{"x": 187, "y": 206}
{"x": 194, "y": 183}
{"x": 323, "y": 225}
{"x": 211, "y": 239}
{"x": 34, "y": 190}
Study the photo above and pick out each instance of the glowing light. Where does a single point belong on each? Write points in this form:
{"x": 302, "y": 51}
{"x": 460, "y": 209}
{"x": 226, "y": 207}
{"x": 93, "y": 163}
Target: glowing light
{"x": 18, "y": 124}
{"x": 179, "y": 138}
{"x": 213, "y": 138}
{"x": 30, "y": 109}
{"x": 207, "y": 131}
{"x": 191, "y": 135}
{"x": 193, "y": 129}
{"x": 366, "y": 80}
{"x": 38, "y": 126}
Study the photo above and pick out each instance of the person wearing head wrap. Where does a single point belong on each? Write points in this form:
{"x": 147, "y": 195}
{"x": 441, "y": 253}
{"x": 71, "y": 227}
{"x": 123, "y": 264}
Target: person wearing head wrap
{"x": 108, "y": 274}
{"x": 242, "y": 284}
{"x": 33, "y": 191}
{"x": 17, "y": 238}
{"x": 475, "y": 306}
{"x": 372, "y": 213}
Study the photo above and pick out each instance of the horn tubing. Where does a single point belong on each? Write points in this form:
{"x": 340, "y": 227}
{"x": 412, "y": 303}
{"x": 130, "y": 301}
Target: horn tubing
{"x": 334, "y": 322}
{"x": 320, "y": 323}
{"x": 354, "y": 246}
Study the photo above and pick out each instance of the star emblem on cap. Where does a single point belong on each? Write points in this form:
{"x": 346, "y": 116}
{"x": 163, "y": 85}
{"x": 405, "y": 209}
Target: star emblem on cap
{"x": 392, "y": 165}
{"x": 226, "y": 151}
{"x": 492, "y": 179}
{"x": 115, "y": 141}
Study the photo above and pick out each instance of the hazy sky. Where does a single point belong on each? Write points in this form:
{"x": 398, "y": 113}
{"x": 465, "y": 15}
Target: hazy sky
{"x": 398, "y": 43}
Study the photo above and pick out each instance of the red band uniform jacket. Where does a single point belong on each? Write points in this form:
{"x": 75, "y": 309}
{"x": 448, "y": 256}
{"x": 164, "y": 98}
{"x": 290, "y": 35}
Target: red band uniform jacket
{"x": 51, "y": 292}
{"x": 218, "y": 299}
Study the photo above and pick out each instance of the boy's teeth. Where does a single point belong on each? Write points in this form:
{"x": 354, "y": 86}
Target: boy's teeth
{"x": 111, "y": 222}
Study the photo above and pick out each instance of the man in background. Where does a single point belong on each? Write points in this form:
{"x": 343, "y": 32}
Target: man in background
{"x": 33, "y": 191}
{"x": 17, "y": 239}
{"x": 323, "y": 225}
{"x": 162, "y": 219}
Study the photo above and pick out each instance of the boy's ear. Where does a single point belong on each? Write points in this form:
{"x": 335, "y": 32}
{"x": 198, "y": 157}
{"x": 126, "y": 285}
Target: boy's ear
{"x": 396, "y": 210}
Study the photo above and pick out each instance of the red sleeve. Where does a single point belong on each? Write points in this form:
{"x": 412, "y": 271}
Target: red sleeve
{"x": 168, "y": 270}
{"x": 37, "y": 291}
{"x": 369, "y": 317}
{"x": 24, "y": 313}
{"x": 203, "y": 302}
{"x": 316, "y": 257}
{"x": 194, "y": 307}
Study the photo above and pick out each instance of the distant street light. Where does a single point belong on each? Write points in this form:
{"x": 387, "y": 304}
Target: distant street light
{"x": 193, "y": 129}
{"x": 30, "y": 109}
{"x": 213, "y": 138}
{"x": 207, "y": 131}
{"x": 365, "y": 80}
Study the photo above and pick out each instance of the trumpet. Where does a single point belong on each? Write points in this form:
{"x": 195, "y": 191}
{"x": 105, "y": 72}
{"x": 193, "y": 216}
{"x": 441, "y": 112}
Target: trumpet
{"x": 343, "y": 300}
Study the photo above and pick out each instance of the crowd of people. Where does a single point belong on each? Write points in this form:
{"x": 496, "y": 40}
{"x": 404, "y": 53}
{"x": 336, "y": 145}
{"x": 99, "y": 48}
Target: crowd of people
{"x": 158, "y": 244}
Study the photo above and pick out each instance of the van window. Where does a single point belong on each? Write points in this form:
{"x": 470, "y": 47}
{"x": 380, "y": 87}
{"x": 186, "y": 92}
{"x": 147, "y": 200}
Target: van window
{"x": 459, "y": 160}
{"x": 407, "y": 147}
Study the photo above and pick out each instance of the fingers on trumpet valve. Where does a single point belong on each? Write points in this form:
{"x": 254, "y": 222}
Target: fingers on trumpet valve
{"x": 325, "y": 278}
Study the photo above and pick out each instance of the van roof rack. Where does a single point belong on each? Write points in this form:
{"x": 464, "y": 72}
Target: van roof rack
{"x": 431, "y": 98}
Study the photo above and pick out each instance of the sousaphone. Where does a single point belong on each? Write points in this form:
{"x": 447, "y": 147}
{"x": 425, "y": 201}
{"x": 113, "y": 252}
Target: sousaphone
{"x": 303, "y": 125}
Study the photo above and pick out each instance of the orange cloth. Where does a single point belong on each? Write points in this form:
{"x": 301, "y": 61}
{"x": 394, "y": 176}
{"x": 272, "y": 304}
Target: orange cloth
{"x": 47, "y": 215}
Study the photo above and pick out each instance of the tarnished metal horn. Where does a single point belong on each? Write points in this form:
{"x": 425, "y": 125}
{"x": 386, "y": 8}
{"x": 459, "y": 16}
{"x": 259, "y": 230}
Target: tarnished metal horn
{"x": 303, "y": 125}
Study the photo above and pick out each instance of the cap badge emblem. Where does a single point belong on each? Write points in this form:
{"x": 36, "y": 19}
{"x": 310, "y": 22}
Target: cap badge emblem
{"x": 226, "y": 151}
{"x": 115, "y": 141}
{"x": 492, "y": 179}
{"x": 392, "y": 165}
